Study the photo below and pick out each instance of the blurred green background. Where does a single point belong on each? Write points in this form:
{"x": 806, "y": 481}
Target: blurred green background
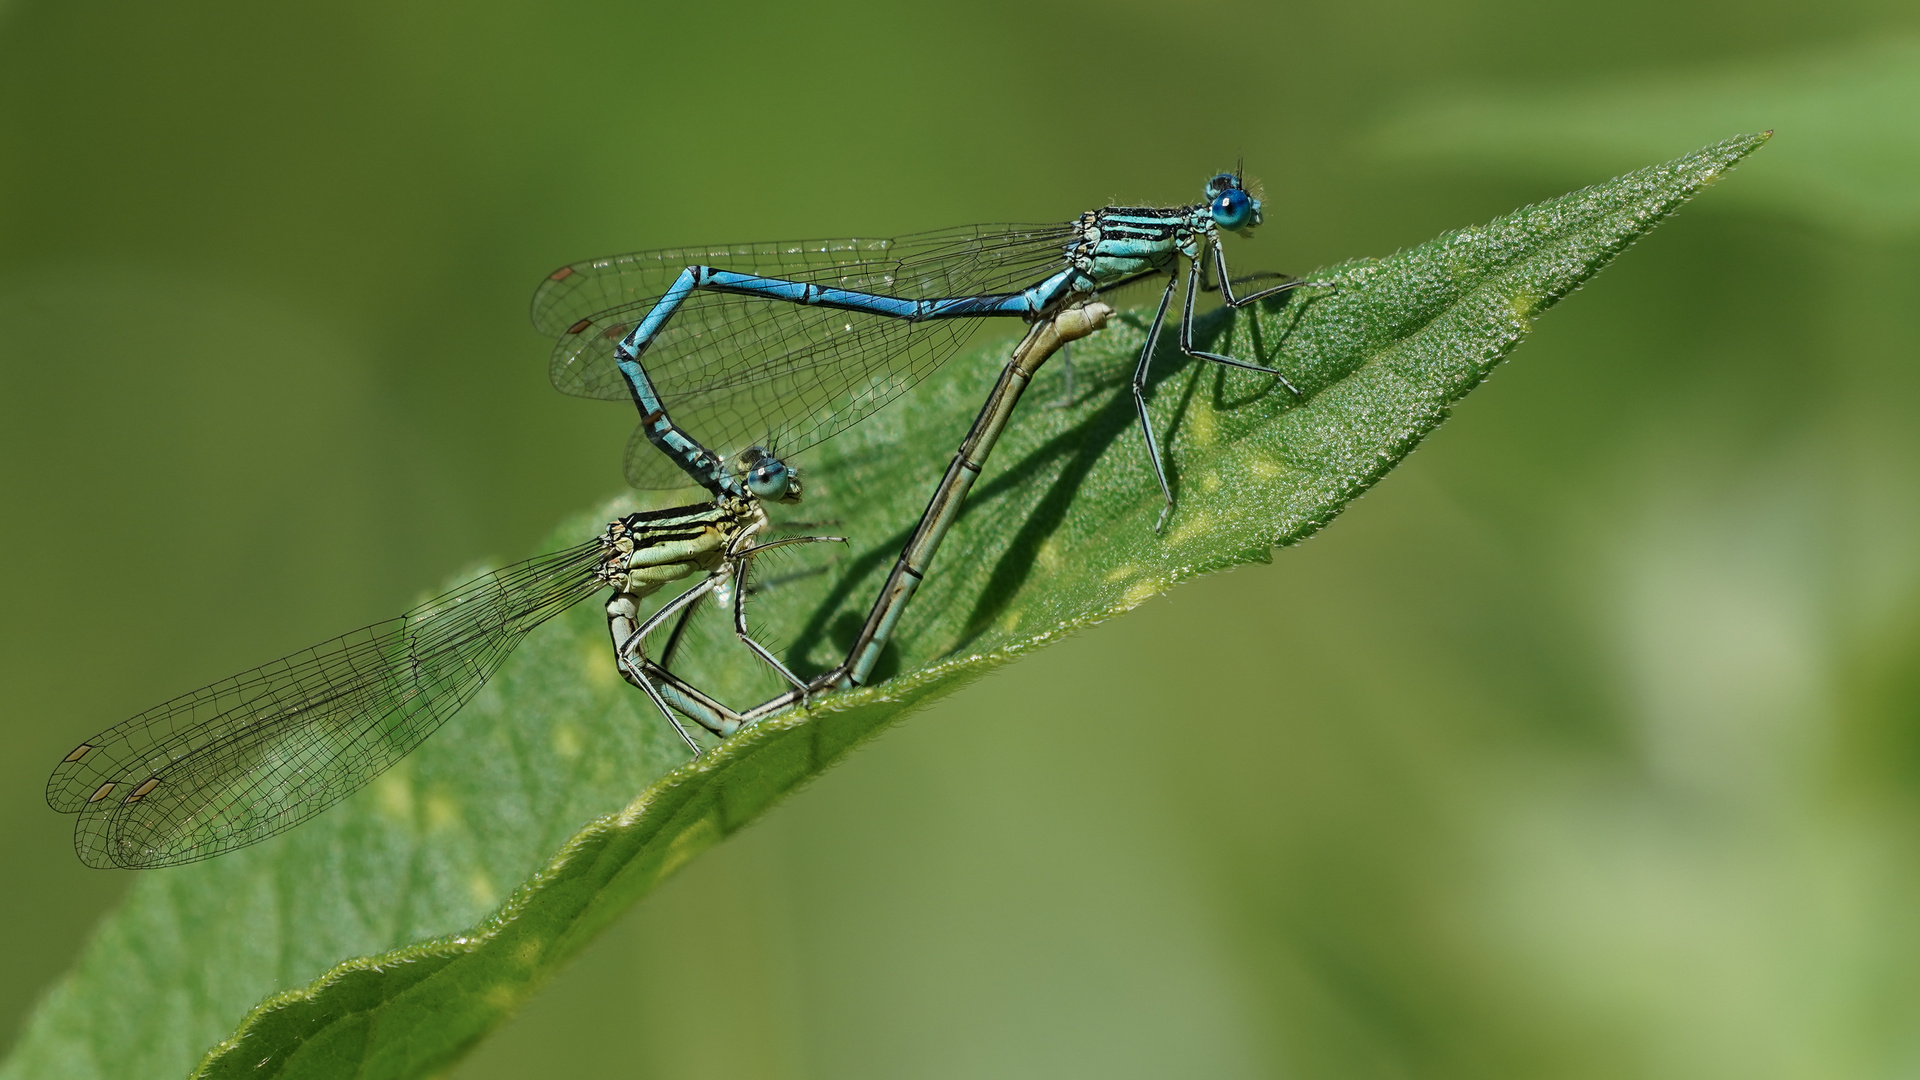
{"x": 1588, "y": 745}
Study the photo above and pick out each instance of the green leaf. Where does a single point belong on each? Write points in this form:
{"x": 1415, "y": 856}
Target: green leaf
{"x": 1848, "y": 118}
{"x": 1057, "y": 535}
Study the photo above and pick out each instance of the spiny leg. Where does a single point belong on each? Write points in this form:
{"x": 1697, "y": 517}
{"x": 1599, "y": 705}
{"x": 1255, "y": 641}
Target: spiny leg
{"x": 624, "y": 609}
{"x": 1186, "y": 323}
{"x": 1194, "y": 286}
{"x": 668, "y": 692}
{"x": 673, "y": 639}
{"x": 630, "y": 671}
{"x": 1207, "y": 281}
{"x": 634, "y": 676}
{"x": 1226, "y": 284}
{"x": 690, "y": 700}
{"x": 1140, "y": 398}
{"x": 743, "y": 562}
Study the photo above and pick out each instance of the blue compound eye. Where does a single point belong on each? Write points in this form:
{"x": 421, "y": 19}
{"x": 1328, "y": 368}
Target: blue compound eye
{"x": 769, "y": 478}
{"x": 1232, "y": 209}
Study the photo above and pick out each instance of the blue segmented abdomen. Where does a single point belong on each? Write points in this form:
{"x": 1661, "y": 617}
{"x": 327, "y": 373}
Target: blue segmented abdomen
{"x": 698, "y": 462}
{"x": 854, "y": 300}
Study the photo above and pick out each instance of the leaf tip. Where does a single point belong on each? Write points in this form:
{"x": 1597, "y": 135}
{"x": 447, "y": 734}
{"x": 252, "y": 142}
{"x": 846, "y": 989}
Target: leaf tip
{"x": 1729, "y": 153}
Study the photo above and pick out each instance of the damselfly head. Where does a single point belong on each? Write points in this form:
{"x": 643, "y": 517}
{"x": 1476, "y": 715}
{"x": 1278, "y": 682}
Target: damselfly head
{"x": 768, "y": 477}
{"x": 1232, "y": 207}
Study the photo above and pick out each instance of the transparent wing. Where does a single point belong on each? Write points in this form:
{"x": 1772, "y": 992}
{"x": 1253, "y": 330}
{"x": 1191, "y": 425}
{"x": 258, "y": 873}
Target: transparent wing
{"x": 236, "y": 762}
{"x": 735, "y": 370}
{"x": 797, "y": 397}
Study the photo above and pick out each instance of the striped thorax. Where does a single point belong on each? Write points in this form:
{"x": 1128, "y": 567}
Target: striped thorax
{"x": 1119, "y": 244}
{"x": 644, "y": 551}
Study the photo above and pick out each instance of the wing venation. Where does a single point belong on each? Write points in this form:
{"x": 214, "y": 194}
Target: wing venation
{"x": 238, "y": 761}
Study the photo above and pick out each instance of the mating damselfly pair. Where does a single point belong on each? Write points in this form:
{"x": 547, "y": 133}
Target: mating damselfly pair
{"x": 742, "y": 347}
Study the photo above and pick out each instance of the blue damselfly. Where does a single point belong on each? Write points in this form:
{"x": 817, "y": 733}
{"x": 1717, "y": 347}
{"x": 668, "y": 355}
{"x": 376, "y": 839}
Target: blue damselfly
{"x": 785, "y": 344}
